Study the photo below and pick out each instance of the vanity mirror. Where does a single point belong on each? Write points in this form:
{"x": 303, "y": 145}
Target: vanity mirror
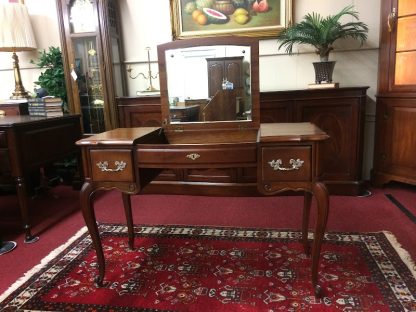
{"x": 210, "y": 83}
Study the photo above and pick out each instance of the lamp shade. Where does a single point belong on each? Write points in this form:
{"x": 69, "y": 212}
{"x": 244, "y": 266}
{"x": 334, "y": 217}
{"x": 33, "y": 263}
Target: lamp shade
{"x": 16, "y": 32}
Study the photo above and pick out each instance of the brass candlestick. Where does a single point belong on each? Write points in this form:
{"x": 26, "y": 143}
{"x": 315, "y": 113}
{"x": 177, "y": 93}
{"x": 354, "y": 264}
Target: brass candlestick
{"x": 149, "y": 75}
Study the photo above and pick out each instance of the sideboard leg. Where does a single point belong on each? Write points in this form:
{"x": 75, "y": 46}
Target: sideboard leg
{"x": 129, "y": 218}
{"x": 305, "y": 222}
{"x": 321, "y": 194}
{"x": 87, "y": 208}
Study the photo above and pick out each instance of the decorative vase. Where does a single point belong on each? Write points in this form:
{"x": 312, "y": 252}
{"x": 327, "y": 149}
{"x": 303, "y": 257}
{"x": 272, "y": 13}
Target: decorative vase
{"x": 323, "y": 71}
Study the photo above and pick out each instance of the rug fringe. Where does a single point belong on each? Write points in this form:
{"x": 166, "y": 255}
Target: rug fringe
{"x": 42, "y": 263}
{"x": 403, "y": 253}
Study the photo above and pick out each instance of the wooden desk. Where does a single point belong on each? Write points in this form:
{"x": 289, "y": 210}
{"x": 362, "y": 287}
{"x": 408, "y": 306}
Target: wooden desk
{"x": 28, "y": 142}
{"x": 128, "y": 159}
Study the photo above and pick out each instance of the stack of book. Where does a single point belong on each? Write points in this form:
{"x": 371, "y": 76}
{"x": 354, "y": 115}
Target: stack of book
{"x": 47, "y": 106}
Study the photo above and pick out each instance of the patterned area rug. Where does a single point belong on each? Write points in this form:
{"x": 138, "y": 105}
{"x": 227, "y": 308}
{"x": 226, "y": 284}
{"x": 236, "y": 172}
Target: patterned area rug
{"x": 178, "y": 268}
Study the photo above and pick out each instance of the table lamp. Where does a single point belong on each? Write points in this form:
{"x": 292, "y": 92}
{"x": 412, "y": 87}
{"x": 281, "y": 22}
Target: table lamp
{"x": 16, "y": 35}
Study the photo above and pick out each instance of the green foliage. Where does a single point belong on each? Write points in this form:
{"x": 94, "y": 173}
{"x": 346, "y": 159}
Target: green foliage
{"x": 52, "y": 78}
{"x": 322, "y": 32}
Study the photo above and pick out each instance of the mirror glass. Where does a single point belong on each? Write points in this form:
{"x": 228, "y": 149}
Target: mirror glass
{"x": 209, "y": 83}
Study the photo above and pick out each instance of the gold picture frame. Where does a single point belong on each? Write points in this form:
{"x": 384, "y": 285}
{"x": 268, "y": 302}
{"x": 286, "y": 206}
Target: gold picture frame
{"x": 254, "y": 18}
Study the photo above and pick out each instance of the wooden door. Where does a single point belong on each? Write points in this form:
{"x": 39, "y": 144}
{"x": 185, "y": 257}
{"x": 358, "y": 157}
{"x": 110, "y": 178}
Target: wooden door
{"x": 340, "y": 155}
{"x": 394, "y": 158}
{"x": 233, "y": 68}
{"x": 216, "y": 75}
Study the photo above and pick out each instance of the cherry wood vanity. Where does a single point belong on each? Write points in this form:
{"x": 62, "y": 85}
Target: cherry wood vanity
{"x": 284, "y": 156}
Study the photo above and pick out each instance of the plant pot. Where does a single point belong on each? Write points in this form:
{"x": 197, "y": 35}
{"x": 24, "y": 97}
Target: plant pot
{"x": 323, "y": 71}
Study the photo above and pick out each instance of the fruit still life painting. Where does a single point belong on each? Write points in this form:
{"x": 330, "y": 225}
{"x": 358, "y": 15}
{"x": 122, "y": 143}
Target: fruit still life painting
{"x": 208, "y": 17}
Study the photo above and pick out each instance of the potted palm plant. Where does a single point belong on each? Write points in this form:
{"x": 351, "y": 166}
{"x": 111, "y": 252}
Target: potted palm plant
{"x": 321, "y": 33}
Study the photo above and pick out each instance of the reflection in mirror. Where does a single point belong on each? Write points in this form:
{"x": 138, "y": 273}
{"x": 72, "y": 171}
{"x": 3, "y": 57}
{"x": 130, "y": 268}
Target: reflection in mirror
{"x": 209, "y": 83}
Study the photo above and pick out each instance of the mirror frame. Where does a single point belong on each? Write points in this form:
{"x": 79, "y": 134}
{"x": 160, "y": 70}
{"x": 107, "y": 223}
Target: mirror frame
{"x": 253, "y": 43}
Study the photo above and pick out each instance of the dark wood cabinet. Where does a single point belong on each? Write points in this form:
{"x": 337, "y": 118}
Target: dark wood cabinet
{"x": 339, "y": 112}
{"x": 224, "y": 69}
{"x": 395, "y": 142}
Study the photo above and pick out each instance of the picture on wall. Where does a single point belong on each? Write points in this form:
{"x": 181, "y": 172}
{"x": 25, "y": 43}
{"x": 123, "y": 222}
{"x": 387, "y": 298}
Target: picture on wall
{"x": 205, "y": 18}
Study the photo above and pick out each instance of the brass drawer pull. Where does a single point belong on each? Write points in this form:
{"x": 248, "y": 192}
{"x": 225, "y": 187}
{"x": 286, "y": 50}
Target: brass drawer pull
{"x": 193, "y": 156}
{"x": 296, "y": 164}
{"x": 120, "y": 165}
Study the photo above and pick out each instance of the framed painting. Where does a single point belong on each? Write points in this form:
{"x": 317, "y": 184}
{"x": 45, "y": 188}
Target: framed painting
{"x": 207, "y": 18}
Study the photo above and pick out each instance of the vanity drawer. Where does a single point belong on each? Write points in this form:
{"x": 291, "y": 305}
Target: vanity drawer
{"x": 195, "y": 157}
{"x": 3, "y": 141}
{"x": 112, "y": 165}
{"x": 280, "y": 163}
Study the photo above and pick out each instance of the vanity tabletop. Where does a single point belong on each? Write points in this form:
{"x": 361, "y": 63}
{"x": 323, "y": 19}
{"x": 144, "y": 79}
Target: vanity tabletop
{"x": 297, "y": 131}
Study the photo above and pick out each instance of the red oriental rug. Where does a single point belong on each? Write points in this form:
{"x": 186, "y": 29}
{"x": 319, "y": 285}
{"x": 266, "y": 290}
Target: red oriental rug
{"x": 184, "y": 268}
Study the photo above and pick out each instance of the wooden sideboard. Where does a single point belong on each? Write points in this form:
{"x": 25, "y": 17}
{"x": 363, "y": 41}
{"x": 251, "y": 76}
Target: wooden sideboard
{"x": 339, "y": 112}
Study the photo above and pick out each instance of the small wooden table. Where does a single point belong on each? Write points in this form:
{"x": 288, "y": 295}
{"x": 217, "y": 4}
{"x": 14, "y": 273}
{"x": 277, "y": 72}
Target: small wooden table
{"x": 129, "y": 158}
{"x": 27, "y": 142}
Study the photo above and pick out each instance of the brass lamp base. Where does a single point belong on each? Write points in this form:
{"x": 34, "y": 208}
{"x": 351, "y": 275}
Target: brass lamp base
{"x": 20, "y": 95}
{"x": 19, "y": 90}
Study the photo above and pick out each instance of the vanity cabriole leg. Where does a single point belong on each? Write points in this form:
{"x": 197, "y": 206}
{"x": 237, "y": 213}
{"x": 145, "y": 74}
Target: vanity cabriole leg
{"x": 321, "y": 194}
{"x": 129, "y": 217}
{"x": 305, "y": 222}
{"x": 88, "y": 213}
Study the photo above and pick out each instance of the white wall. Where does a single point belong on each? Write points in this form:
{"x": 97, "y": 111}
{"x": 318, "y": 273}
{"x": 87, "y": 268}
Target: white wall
{"x": 144, "y": 27}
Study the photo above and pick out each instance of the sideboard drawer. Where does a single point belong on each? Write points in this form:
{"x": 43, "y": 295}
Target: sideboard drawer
{"x": 112, "y": 165}
{"x": 286, "y": 163}
{"x": 3, "y": 142}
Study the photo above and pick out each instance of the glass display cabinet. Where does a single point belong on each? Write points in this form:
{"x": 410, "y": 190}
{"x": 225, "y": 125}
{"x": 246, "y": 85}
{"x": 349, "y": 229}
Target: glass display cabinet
{"x": 395, "y": 142}
{"x": 90, "y": 37}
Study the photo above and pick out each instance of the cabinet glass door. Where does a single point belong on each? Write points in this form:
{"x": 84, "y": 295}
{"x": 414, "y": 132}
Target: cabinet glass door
{"x": 89, "y": 84}
{"x": 405, "y": 54}
{"x": 86, "y": 67}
